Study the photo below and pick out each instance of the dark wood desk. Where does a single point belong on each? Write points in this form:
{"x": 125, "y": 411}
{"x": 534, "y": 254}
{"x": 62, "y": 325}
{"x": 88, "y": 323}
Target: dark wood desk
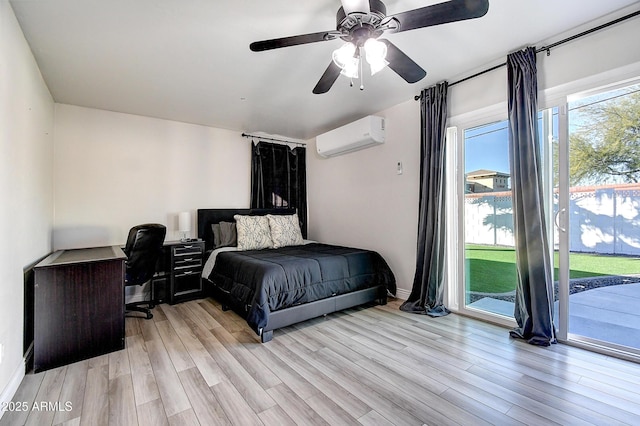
{"x": 78, "y": 305}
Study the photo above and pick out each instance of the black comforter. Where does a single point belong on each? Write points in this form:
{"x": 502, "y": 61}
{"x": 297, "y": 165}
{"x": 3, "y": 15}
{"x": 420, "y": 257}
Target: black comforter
{"x": 263, "y": 281}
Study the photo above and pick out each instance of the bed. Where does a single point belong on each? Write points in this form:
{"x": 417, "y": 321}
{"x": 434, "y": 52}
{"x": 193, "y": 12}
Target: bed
{"x": 276, "y": 287}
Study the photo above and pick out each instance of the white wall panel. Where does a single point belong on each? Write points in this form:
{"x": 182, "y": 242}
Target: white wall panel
{"x": 113, "y": 171}
{"x": 26, "y": 172}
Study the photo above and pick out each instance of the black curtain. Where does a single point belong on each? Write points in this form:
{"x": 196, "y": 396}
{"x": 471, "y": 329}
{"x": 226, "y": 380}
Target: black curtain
{"x": 534, "y": 289}
{"x": 427, "y": 293}
{"x": 279, "y": 179}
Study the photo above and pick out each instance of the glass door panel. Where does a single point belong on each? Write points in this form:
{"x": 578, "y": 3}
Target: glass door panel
{"x": 490, "y": 272}
{"x": 603, "y": 218}
{"x": 549, "y": 132}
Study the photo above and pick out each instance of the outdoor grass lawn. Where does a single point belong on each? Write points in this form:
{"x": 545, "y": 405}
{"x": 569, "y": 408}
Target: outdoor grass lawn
{"x": 491, "y": 269}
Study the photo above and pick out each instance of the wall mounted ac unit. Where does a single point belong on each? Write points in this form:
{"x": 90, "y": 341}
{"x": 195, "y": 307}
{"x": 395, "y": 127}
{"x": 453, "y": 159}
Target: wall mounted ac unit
{"x": 363, "y": 133}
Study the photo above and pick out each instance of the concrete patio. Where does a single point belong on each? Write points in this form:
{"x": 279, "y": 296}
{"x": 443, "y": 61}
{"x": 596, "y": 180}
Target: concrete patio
{"x": 610, "y": 313}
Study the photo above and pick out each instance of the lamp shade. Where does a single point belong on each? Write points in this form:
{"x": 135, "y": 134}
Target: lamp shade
{"x": 345, "y": 60}
{"x": 376, "y": 52}
{"x": 184, "y": 222}
{"x": 344, "y": 55}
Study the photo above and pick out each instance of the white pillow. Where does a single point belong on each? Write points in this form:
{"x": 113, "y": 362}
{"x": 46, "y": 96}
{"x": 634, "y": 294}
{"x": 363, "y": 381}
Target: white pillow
{"x": 285, "y": 230}
{"x": 253, "y": 232}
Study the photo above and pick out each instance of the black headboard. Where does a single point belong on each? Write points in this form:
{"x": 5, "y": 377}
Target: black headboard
{"x": 207, "y": 217}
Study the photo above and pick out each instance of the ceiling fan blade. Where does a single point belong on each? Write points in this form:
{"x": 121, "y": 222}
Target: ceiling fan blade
{"x": 441, "y": 13}
{"x": 402, "y": 64}
{"x": 276, "y": 43}
{"x": 351, "y": 6}
{"x": 329, "y": 77}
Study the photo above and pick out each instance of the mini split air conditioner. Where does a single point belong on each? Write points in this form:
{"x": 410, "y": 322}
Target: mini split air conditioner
{"x": 364, "y": 133}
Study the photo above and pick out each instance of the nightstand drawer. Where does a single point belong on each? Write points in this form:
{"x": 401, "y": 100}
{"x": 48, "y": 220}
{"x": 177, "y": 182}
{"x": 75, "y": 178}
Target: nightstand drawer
{"x": 186, "y": 285}
{"x": 191, "y": 262}
{"x": 186, "y": 273}
{"x": 187, "y": 250}
{"x": 187, "y": 270}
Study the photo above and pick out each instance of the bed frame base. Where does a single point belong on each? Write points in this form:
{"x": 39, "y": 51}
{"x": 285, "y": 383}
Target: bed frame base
{"x": 299, "y": 313}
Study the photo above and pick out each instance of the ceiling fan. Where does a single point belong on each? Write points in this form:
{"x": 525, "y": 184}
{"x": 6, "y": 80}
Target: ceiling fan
{"x": 361, "y": 22}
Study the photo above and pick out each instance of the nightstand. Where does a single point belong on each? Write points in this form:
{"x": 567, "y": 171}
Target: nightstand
{"x": 179, "y": 273}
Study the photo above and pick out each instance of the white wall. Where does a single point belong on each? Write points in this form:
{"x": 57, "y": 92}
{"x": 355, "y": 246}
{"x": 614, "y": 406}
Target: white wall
{"x": 595, "y": 59}
{"x": 26, "y": 171}
{"x": 358, "y": 200}
{"x": 113, "y": 171}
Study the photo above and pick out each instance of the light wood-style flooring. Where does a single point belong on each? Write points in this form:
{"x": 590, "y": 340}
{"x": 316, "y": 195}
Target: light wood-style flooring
{"x": 195, "y": 364}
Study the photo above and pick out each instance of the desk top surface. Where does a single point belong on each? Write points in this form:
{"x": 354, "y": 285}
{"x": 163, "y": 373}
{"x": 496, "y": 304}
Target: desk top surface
{"x": 83, "y": 255}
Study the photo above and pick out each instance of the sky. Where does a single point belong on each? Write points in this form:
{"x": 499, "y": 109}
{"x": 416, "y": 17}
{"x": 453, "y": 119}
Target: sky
{"x": 487, "y": 147}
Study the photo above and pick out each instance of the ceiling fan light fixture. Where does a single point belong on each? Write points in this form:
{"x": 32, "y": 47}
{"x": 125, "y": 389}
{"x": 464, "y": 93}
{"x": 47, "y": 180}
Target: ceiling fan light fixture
{"x": 376, "y": 48}
{"x": 377, "y": 65}
{"x": 375, "y": 54}
{"x": 351, "y": 68}
{"x": 343, "y": 56}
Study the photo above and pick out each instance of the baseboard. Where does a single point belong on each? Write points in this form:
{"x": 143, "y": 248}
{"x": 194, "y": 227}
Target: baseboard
{"x": 28, "y": 358}
{"x": 402, "y": 294}
{"x": 12, "y": 387}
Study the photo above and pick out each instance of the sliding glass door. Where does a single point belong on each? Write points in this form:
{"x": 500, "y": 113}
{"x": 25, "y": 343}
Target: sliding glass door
{"x": 590, "y": 155}
{"x": 597, "y": 223}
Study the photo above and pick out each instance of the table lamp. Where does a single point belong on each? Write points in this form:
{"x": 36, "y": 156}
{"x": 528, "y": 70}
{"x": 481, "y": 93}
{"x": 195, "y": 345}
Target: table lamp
{"x": 184, "y": 225}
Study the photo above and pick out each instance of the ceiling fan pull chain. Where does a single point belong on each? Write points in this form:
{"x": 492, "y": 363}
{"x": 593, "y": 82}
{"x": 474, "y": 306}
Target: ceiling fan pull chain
{"x": 361, "y": 73}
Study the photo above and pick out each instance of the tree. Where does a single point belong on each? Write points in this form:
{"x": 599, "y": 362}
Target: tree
{"x": 606, "y": 144}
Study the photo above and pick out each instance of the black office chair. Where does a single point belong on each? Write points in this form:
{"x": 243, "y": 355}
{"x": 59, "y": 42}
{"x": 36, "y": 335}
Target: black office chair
{"x": 143, "y": 249}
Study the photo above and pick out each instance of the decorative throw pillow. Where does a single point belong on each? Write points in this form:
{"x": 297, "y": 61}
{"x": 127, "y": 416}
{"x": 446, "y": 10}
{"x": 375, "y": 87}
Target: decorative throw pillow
{"x": 228, "y": 236}
{"x": 224, "y": 234}
{"x": 285, "y": 230}
{"x": 253, "y": 232}
{"x": 215, "y": 228}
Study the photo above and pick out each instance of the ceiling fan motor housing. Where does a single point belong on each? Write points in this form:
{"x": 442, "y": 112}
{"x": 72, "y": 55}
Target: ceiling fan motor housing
{"x": 357, "y": 27}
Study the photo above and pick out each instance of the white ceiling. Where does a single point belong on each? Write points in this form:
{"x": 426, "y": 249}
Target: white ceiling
{"x": 189, "y": 60}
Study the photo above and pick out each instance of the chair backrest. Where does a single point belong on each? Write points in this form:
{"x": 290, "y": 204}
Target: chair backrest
{"x": 143, "y": 249}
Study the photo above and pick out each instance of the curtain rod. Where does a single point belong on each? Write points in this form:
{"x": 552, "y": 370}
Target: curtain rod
{"x": 549, "y": 47}
{"x": 264, "y": 138}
